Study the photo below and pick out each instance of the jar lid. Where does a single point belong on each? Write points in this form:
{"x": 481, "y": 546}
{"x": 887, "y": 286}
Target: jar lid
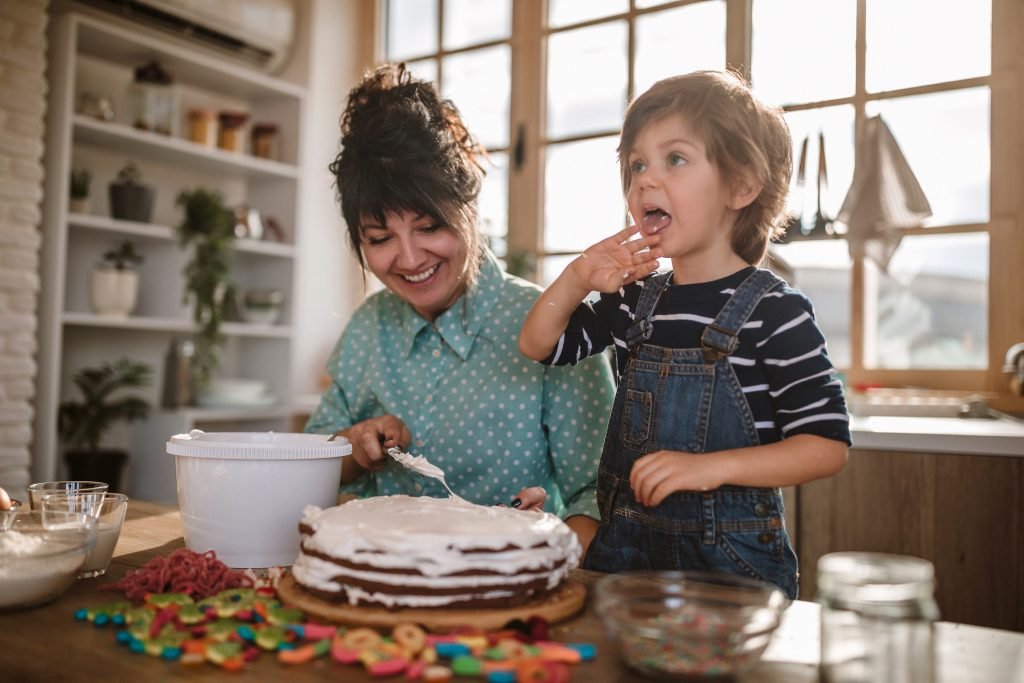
{"x": 257, "y": 446}
{"x": 878, "y": 578}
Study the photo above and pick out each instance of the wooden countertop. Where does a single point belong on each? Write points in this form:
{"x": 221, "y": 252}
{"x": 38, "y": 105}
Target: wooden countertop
{"x": 47, "y": 644}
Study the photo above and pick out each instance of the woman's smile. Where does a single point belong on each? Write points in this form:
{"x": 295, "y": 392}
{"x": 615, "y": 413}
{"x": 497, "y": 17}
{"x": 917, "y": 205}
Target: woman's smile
{"x": 417, "y": 258}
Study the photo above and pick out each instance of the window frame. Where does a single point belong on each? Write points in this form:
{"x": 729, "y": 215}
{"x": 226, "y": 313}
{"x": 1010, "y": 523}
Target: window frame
{"x": 1005, "y": 226}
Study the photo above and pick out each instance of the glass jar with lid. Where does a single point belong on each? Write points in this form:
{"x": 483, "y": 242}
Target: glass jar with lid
{"x": 877, "y": 618}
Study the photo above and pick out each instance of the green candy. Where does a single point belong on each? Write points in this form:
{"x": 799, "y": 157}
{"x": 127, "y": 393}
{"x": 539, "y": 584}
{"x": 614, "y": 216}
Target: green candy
{"x": 218, "y": 653}
{"x": 191, "y": 614}
{"x": 467, "y": 665}
{"x": 222, "y": 628}
{"x": 284, "y": 615}
{"x": 270, "y": 637}
{"x": 165, "y": 599}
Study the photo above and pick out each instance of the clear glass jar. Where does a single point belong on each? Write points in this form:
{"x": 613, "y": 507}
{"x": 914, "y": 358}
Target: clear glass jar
{"x": 877, "y": 617}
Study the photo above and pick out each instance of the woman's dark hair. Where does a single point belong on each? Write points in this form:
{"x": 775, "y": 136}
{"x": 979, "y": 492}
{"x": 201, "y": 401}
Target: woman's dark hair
{"x": 741, "y": 136}
{"x": 405, "y": 148}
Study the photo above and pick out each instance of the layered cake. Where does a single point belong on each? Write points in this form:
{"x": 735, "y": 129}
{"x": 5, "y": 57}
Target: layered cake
{"x": 408, "y": 552}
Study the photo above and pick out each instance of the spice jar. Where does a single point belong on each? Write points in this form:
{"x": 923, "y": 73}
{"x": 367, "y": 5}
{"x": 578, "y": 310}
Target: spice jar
{"x": 877, "y": 616}
{"x": 230, "y": 134}
{"x": 202, "y": 127}
{"x": 264, "y": 140}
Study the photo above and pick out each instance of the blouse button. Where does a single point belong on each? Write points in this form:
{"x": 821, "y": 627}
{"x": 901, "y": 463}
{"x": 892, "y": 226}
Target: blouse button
{"x": 437, "y": 353}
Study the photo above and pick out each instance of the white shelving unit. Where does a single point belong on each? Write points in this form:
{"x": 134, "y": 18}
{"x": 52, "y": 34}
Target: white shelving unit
{"x": 97, "y": 56}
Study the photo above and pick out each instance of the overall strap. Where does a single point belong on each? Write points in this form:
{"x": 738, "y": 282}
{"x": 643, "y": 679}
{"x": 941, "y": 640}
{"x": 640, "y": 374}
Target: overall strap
{"x": 640, "y": 330}
{"x": 722, "y": 336}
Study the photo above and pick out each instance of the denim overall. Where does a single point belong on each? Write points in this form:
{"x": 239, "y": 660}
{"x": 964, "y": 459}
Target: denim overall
{"x": 688, "y": 400}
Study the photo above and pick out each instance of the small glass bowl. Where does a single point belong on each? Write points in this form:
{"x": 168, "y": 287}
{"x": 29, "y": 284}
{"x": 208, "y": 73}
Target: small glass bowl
{"x": 688, "y": 624}
{"x": 38, "y": 563}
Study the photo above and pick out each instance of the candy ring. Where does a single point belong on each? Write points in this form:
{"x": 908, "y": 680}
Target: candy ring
{"x": 361, "y": 639}
{"x": 410, "y": 636}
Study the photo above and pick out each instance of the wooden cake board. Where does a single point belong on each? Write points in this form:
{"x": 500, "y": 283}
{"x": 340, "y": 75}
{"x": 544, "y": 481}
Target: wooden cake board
{"x": 565, "y": 602}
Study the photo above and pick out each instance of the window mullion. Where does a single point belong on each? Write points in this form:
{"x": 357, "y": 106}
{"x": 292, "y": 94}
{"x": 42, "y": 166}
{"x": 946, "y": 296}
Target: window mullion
{"x": 525, "y": 179}
{"x": 858, "y": 279}
{"x": 738, "y": 46}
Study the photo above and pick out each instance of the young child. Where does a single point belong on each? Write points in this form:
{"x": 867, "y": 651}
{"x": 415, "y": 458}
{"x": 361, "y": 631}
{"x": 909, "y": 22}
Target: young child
{"x": 725, "y": 390}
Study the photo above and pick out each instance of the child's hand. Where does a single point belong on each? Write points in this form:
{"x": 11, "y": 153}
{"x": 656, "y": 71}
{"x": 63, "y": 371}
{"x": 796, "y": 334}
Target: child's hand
{"x": 616, "y": 261}
{"x": 657, "y": 475}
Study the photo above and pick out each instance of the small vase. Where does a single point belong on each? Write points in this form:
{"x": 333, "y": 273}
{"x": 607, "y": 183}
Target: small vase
{"x": 78, "y": 205}
{"x": 131, "y": 202}
{"x": 114, "y": 292}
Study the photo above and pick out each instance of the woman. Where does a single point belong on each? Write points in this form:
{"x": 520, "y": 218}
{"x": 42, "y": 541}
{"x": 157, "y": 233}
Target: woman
{"x": 431, "y": 363}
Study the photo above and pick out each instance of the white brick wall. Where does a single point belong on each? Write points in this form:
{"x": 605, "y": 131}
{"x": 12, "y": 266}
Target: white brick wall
{"x": 22, "y": 107}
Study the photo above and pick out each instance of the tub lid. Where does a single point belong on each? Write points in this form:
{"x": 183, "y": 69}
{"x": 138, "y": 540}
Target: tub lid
{"x": 257, "y": 445}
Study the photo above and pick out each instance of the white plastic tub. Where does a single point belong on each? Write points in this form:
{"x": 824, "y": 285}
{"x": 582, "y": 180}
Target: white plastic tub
{"x": 241, "y": 494}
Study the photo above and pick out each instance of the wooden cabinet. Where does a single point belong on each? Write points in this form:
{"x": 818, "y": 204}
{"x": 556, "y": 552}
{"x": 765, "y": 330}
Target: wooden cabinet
{"x": 962, "y": 512}
{"x": 96, "y": 58}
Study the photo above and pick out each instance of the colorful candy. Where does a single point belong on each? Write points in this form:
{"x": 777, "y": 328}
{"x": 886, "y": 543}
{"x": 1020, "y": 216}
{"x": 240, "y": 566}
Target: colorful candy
{"x": 236, "y": 625}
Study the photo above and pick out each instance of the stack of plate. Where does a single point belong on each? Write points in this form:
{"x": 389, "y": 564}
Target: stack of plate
{"x": 224, "y": 392}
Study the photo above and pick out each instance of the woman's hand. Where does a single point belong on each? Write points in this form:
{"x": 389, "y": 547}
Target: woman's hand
{"x": 616, "y": 261}
{"x": 371, "y": 438}
{"x": 530, "y": 498}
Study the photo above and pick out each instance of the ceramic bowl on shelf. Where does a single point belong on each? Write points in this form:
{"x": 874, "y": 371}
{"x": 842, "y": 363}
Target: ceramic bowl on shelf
{"x": 39, "y": 561}
{"x": 262, "y": 306}
{"x": 688, "y": 624}
{"x": 225, "y": 392}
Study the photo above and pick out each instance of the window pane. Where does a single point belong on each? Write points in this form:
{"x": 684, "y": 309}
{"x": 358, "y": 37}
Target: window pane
{"x": 423, "y": 69}
{"x": 479, "y": 83}
{"x": 701, "y": 27}
{"x": 465, "y": 24}
{"x": 552, "y": 266}
{"x": 587, "y": 79}
{"x": 809, "y": 59}
{"x": 835, "y": 124}
{"x": 412, "y": 28}
{"x": 945, "y": 138}
{"x": 565, "y": 12}
{"x": 892, "y": 63}
{"x": 821, "y": 270}
{"x": 582, "y": 194}
{"x": 494, "y": 203}
{"x": 930, "y": 309}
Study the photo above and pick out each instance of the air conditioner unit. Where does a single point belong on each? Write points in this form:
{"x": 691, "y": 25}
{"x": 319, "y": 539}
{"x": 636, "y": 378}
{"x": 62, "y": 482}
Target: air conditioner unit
{"x": 259, "y": 32}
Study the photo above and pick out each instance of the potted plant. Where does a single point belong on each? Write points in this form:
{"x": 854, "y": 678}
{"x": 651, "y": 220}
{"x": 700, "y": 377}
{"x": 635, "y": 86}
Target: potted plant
{"x": 82, "y": 424}
{"x": 114, "y": 282}
{"x": 79, "y": 190}
{"x": 209, "y": 228}
{"x": 130, "y": 199}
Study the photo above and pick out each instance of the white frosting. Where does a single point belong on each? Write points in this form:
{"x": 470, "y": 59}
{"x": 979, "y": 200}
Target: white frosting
{"x": 432, "y": 535}
{"x": 421, "y": 465}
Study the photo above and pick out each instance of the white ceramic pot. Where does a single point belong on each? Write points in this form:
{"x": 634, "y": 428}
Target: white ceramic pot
{"x": 78, "y": 205}
{"x": 114, "y": 292}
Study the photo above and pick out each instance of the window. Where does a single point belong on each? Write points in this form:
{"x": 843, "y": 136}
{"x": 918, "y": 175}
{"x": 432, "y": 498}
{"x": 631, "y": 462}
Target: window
{"x": 545, "y": 85}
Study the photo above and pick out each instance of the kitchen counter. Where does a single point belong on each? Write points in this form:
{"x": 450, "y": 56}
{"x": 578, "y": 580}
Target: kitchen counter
{"x": 971, "y": 436}
{"x": 47, "y": 644}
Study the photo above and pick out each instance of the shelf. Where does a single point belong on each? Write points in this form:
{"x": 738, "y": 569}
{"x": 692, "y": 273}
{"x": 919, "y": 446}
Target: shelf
{"x": 154, "y": 231}
{"x": 120, "y": 45}
{"x": 141, "y": 324}
{"x": 235, "y": 414}
{"x": 131, "y": 141}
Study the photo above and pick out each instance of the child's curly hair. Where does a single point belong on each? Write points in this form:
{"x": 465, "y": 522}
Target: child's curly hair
{"x": 741, "y": 135}
{"x": 405, "y": 148}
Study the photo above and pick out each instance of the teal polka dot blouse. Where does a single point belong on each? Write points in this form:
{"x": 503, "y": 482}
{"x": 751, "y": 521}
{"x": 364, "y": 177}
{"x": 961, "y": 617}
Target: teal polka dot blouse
{"x": 493, "y": 420}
